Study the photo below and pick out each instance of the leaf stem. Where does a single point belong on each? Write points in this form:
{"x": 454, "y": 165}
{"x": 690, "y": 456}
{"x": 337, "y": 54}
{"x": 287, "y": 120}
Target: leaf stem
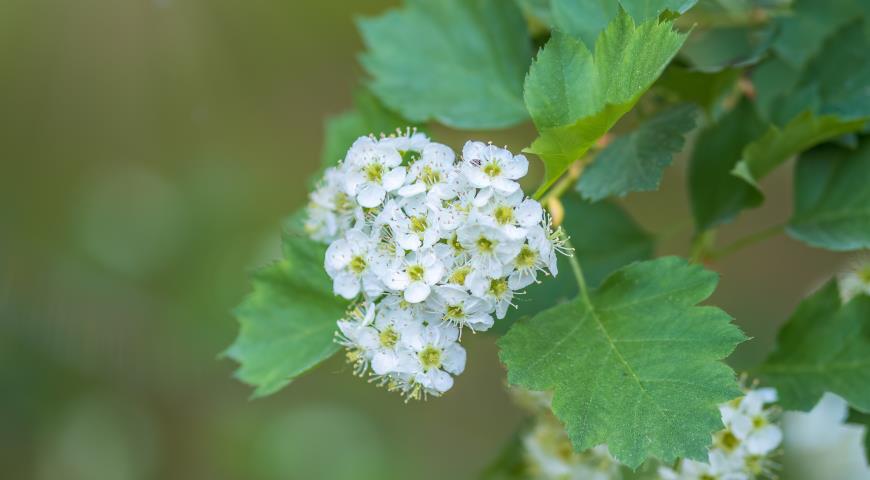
{"x": 744, "y": 242}
{"x": 577, "y": 269}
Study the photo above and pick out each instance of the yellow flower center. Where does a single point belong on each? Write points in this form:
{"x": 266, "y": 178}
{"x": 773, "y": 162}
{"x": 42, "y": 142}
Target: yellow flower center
{"x": 429, "y": 176}
{"x": 454, "y": 312}
{"x": 419, "y": 224}
{"x": 498, "y": 287}
{"x": 415, "y": 272}
{"x": 389, "y": 337}
{"x": 492, "y": 169}
{"x": 503, "y": 214}
{"x": 458, "y": 276}
{"x": 374, "y": 172}
{"x": 527, "y": 257}
{"x": 357, "y": 264}
{"x": 430, "y": 357}
{"x": 485, "y": 245}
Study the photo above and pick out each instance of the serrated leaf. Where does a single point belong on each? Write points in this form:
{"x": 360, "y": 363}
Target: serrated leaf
{"x": 618, "y": 241}
{"x": 587, "y": 19}
{"x": 824, "y": 347}
{"x": 832, "y": 198}
{"x": 459, "y": 62}
{"x": 369, "y": 116}
{"x": 287, "y": 323}
{"x": 634, "y": 162}
{"x": 717, "y": 196}
{"x": 575, "y": 97}
{"x": 636, "y": 365}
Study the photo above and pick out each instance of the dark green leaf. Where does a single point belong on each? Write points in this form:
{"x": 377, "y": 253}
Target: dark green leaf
{"x": 575, "y": 98}
{"x": 802, "y": 33}
{"x": 824, "y": 347}
{"x": 832, "y": 198}
{"x": 587, "y": 19}
{"x": 716, "y": 49}
{"x": 716, "y": 195}
{"x": 705, "y": 89}
{"x": 634, "y": 162}
{"x": 636, "y": 365}
{"x": 287, "y": 323}
{"x": 459, "y": 62}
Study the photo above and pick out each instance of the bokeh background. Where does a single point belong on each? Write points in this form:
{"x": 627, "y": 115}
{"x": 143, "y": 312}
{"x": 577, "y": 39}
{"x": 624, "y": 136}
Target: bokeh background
{"x": 150, "y": 149}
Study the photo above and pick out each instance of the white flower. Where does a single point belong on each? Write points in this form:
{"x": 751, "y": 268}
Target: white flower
{"x": 434, "y": 173}
{"x": 414, "y": 225}
{"x": 433, "y": 355}
{"x": 493, "y": 289}
{"x": 536, "y": 255}
{"x": 372, "y": 171}
{"x": 415, "y": 274}
{"x": 408, "y": 141}
{"x": 492, "y": 169}
{"x": 393, "y": 325}
{"x": 490, "y": 249}
{"x": 513, "y": 214}
{"x": 358, "y": 337}
{"x": 352, "y": 262}
{"x": 454, "y": 305}
{"x": 750, "y": 421}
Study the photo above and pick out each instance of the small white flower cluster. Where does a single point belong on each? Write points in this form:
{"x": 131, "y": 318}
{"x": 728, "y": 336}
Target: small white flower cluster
{"x": 426, "y": 245}
{"x": 743, "y": 449}
{"x": 549, "y": 455}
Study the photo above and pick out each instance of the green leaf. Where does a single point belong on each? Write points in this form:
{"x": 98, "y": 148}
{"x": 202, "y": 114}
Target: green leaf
{"x": 618, "y": 240}
{"x": 828, "y": 101}
{"x": 575, "y": 97}
{"x": 707, "y": 90}
{"x": 369, "y": 116}
{"x": 824, "y": 347}
{"x": 635, "y": 365}
{"x": 716, "y": 196}
{"x": 287, "y": 323}
{"x": 832, "y": 198}
{"x": 713, "y": 50}
{"x": 779, "y": 144}
{"x": 587, "y": 19}
{"x": 459, "y": 62}
{"x": 634, "y": 162}
{"x": 802, "y": 33}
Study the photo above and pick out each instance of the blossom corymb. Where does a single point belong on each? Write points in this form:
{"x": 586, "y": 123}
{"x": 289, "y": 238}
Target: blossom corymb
{"x": 426, "y": 244}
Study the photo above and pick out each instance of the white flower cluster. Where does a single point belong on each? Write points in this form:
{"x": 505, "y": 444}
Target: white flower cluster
{"x": 426, "y": 245}
{"x": 743, "y": 449}
{"x": 549, "y": 455}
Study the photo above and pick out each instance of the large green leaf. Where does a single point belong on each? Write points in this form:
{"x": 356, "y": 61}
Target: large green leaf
{"x": 716, "y": 196}
{"x": 634, "y": 162}
{"x": 575, "y": 97}
{"x": 636, "y": 364}
{"x": 832, "y": 198}
{"x": 369, "y": 116}
{"x": 287, "y": 324}
{"x": 604, "y": 238}
{"x": 824, "y": 347}
{"x": 460, "y": 62}
{"x": 588, "y": 18}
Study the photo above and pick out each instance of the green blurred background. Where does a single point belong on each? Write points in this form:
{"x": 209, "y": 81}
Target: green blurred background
{"x": 150, "y": 152}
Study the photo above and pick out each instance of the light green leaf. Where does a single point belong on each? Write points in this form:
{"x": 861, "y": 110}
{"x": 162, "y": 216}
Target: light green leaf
{"x": 575, "y": 97}
{"x": 634, "y": 162}
{"x": 618, "y": 240}
{"x": 636, "y": 365}
{"x": 824, "y": 347}
{"x": 369, "y": 116}
{"x": 459, "y": 62}
{"x": 588, "y": 18}
{"x": 717, "y": 196}
{"x": 832, "y": 198}
{"x": 287, "y": 323}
